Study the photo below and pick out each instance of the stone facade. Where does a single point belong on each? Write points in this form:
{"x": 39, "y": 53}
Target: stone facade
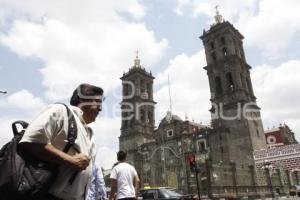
{"x": 137, "y": 109}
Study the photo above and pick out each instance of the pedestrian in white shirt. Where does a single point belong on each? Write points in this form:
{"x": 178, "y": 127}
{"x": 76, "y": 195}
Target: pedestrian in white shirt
{"x": 124, "y": 180}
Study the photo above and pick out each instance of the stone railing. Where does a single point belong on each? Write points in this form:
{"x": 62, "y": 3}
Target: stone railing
{"x": 277, "y": 152}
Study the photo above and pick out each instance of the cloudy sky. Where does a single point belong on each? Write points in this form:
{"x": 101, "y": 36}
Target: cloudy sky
{"x": 48, "y": 47}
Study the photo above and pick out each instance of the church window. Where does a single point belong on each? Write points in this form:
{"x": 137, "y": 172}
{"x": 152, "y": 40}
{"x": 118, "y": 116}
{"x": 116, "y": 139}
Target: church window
{"x": 201, "y": 146}
{"x": 242, "y": 81}
{"x": 223, "y": 40}
{"x": 230, "y": 85}
{"x": 149, "y": 117}
{"x": 220, "y": 137}
{"x": 224, "y": 50}
{"x": 142, "y": 115}
{"x": 149, "y": 87}
{"x": 170, "y": 133}
{"x": 142, "y": 86}
{"x": 146, "y": 155}
{"x": 214, "y": 56}
{"x": 222, "y": 150}
{"x": 212, "y": 45}
{"x": 218, "y": 85}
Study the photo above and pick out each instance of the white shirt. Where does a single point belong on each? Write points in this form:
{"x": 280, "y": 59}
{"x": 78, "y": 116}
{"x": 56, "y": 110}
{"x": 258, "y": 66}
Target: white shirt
{"x": 124, "y": 173}
{"x": 51, "y": 127}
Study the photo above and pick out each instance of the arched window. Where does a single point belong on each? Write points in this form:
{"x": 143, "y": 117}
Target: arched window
{"x": 218, "y": 85}
{"x": 229, "y": 82}
{"x": 224, "y": 50}
{"x": 242, "y": 81}
{"x": 212, "y": 45}
{"x": 150, "y": 118}
{"x": 142, "y": 115}
{"x": 142, "y": 86}
{"x": 214, "y": 56}
{"x": 223, "y": 40}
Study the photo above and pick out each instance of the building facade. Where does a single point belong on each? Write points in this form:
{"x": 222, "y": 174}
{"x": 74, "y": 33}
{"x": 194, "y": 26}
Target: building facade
{"x": 279, "y": 136}
{"x": 223, "y": 150}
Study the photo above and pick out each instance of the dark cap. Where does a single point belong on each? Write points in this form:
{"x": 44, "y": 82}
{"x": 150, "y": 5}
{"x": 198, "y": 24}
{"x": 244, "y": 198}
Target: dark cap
{"x": 85, "y": 92}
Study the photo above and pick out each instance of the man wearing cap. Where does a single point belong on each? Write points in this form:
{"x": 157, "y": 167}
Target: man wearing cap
{"x": 46, "y": 137}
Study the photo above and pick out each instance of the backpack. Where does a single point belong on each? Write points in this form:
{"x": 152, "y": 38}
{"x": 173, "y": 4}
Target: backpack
{"x": 23, "y": 176}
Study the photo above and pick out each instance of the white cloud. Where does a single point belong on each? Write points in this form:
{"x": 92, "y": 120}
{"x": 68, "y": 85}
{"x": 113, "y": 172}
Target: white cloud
{"x": 189, "y": 88}
{"x": 6, "y": 131}
{"x": 24, "y": 101}
{"x": 106, "y": 157}
{"x": 270, "y": 25}
{"x": 85, "y": 43}
{"x": 276, "y": 89}
{"x": 228, "y": 8}
{"x": 278, "y": 25}
{"x": 107, "y": 131}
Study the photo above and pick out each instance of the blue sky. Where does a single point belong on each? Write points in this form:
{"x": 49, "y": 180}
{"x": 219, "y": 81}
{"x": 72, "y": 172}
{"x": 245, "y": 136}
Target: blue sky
{"x": 48, "y": 47}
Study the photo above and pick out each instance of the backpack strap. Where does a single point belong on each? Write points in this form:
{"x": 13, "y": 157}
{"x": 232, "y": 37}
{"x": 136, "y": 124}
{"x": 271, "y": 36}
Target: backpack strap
{"x": 72, "y": 135}
{"x": 72, "y": 130}
{"x": 15, "y": 129}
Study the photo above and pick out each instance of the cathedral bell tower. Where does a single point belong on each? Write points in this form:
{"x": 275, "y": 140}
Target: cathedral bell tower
{"x": 236, "y": 121}
{"x": 137, "y": 108}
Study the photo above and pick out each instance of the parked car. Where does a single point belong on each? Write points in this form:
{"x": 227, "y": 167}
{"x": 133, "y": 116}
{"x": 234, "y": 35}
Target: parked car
{"x": 163, "y": 194}
{"x": 295, "y": 190}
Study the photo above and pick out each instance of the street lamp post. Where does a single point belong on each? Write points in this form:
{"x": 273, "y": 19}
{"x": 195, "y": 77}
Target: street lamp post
{"x": 267, "y": 166}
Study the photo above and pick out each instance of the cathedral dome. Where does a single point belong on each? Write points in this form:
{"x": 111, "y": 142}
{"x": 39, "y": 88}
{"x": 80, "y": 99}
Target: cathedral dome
{"x": 171, "y": 118}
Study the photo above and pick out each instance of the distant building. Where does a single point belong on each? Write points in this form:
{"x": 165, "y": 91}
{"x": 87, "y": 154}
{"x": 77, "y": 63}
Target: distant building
{"x": 279, "y": 136}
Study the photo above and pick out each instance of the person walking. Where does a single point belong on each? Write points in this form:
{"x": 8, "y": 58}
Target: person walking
{"x": 46, "y": 138}
{"x": 125, "y": 182}
{"x": 97, "y": 189}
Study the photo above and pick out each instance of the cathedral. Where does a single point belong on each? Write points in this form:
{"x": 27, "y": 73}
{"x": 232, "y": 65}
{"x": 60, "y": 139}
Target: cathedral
{"x": 160, "y": 154}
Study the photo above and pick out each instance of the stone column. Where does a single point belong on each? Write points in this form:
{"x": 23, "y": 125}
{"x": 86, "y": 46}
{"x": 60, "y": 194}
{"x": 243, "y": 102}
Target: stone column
{"x": 234, "y": 181}
{"x": 280, "y": 181}
{"x": 208, "y": 176}
{"x": 288, "y": 177}
{"x": 297, "y": 177}
{"x": 252, "y": 172}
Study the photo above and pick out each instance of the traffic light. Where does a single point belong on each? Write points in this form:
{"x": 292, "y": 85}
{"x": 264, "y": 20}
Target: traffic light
{"x": 192, "y": 162}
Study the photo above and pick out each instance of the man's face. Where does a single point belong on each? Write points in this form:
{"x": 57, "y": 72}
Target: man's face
{"x": 91, "y": 109}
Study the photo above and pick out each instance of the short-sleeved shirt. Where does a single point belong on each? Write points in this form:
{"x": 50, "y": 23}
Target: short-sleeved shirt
{"x": 51, "y": 127}
{"x": 124, "y": 173}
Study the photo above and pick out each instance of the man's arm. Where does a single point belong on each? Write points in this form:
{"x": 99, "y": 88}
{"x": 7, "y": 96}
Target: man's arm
{"x": 37, "y": 139}
{"x": 113, "y": 189}
{"x": 49, "y": 153}
{"x": 137, "y": 185}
